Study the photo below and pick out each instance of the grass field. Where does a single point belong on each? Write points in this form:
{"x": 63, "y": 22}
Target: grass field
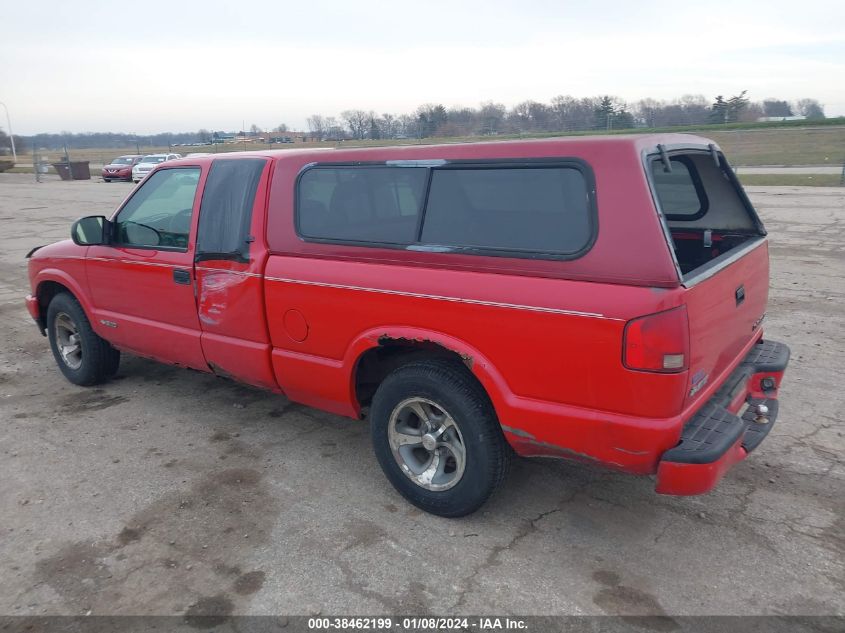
{"x": 789, "y": 180}
{"x": 783, "y": 146}
{"x": 789, "y": 145}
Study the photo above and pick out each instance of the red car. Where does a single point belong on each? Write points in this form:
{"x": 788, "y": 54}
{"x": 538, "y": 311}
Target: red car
{"x": 120, "y": 168}
{"x": 596, "y": 299}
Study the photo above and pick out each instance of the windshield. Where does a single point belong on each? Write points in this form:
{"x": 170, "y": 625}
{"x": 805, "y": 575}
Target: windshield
{"x": 152, "y": 159}
{"x": 123, "y": 160}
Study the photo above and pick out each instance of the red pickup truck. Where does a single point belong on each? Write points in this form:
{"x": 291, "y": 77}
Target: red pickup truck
{"x": 596, "y": 299}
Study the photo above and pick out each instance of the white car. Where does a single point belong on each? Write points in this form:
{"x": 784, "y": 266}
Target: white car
{"x": 148, "y": 162}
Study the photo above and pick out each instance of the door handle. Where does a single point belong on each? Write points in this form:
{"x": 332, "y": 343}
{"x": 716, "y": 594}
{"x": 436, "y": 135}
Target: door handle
{"x": 182, "y": 276}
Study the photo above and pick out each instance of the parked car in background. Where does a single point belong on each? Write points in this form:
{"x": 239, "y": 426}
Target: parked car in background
{"x": 596, "y": 299}
{"x": 148, "y": 162}
{"x": 121, "y": 168}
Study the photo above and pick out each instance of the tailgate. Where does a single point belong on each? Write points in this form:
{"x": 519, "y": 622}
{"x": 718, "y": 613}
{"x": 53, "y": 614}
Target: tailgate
{"x": 725, "y": 312}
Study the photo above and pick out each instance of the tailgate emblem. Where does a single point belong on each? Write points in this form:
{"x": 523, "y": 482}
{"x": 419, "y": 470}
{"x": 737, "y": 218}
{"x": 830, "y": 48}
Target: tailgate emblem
{"x": 740, "y": 295}
{"x": 699, "y": 379}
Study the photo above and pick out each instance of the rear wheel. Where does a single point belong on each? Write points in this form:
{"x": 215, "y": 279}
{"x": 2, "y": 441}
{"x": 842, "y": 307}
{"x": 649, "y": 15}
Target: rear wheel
{"x": 82, "y": 356}
{"x": 437, "y": 438}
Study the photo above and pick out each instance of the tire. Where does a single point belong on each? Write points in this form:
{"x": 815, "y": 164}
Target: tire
{"x": 82, "y": 356}
{"x": 420, "y": 400}
{"x": 106, "y": 180}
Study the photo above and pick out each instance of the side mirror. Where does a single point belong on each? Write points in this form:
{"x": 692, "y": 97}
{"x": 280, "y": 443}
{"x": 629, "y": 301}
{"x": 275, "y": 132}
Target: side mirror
{"x": 89, "y": 231}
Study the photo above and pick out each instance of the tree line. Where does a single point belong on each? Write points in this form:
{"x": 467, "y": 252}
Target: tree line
{"x": 563, "y": 113}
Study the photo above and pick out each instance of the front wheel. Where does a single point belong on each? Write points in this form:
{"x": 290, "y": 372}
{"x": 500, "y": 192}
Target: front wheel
{"x": 437, "y": 438}
{"x": 82, "y": 356}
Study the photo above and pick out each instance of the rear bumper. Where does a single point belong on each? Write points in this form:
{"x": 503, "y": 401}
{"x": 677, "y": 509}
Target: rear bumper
{"x": 720, "y": 434}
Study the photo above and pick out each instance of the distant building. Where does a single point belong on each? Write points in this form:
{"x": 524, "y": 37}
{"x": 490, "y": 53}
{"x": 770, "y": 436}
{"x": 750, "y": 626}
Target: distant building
{"x": 222, "y": 137}
{"x": 764, "y": 119}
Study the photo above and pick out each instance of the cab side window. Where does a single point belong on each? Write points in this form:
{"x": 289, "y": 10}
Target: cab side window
{"x": 158, "y": 215}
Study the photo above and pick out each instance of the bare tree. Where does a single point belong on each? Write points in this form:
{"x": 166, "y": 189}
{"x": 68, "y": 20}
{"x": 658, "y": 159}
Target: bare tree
{"x": 694, "y": 109}
{"x": 491, "y": 116}
{"x": 317, "y": 126}
{"x": 531, "y": 116}
{"x": 406, "y": 125}
{"x": 688, "y": 110}
{"x": 357, "y": 121}
{"x": 752, "y": 112}
{"x": 776, "y": 108}
{"x": 374, "y": 126}
{"x": 809, "y": 108}
{"x": 563, "y": 108}
{"x": 462, "y": 122}
{"x": 334, "y": 130}
{"x": 389, "y": 125}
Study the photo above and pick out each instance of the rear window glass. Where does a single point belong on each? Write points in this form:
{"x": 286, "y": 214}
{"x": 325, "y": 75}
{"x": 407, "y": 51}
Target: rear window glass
{"x": 366, "y": 204}
{"x": 679, "y": 192}
{"x": 523, "y": 209}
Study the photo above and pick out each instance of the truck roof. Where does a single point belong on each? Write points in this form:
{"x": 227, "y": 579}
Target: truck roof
{"x": 517, "y": 148}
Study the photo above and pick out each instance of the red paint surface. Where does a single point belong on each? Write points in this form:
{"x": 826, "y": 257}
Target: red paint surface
{"x": 696, "y": 479}
{"x": 544, "y": 338}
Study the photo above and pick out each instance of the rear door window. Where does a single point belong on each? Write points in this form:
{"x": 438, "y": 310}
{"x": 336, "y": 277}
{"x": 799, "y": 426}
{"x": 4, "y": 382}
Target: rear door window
{"x": 226, "y": 210}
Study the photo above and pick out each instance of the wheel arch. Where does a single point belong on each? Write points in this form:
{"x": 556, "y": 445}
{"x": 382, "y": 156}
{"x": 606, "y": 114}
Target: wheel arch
{"x": 379, "y": 351}
{"x": 51, "y": 282}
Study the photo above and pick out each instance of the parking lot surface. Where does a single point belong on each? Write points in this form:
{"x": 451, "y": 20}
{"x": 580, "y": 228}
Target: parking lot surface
{"x": 170, "y": 492}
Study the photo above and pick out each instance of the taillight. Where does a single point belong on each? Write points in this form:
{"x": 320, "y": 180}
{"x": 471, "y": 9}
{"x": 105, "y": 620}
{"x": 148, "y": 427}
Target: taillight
{"x": 657, "y": 342}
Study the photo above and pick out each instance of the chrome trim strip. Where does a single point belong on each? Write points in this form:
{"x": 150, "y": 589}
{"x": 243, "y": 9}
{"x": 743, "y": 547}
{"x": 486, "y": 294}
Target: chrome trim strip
{"x": 49, "y": 257}
{"x": 135, "y": 262}
{"x": 416, "y": 295}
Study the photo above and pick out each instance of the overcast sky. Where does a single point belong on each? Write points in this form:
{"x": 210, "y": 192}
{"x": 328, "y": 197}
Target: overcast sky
{"x": 147, "y": 66}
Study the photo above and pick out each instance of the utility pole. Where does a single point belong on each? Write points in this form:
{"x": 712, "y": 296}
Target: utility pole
{"x": 36, "y": 162}
{"x": 11, "y": 134}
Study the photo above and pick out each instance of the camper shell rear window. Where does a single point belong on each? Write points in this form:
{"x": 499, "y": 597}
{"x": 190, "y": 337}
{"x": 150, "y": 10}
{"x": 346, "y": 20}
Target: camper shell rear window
{"x": 705, "y": 213}
{"x": 537, "y": 209}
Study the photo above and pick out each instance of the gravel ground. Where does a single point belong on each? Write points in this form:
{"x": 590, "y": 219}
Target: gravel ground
{"x": 170, "y": 492}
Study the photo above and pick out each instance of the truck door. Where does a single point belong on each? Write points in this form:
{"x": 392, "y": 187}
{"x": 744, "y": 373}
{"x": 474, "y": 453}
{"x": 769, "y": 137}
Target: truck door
{"x": 230, "y": 261}
{"x": 142, "y": 282}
